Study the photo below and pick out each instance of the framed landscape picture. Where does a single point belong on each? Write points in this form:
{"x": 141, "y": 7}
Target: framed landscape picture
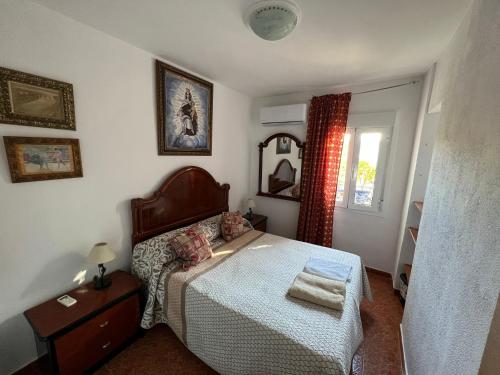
{"x": 30, "y": 100}
{"x": 37, "y": 159}
{"x": 184, "y": 105}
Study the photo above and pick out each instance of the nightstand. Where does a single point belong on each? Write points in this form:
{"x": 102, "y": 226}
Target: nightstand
{"x": 98, "y": 325}
{"x": 259, "y": 222}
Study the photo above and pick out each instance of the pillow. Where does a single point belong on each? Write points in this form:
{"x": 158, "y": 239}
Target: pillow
{"x": 210, "y": 227}
{"x": 150, "y": 256}
{"x": 191, "y": 246}
{"x": 232, "y": 225}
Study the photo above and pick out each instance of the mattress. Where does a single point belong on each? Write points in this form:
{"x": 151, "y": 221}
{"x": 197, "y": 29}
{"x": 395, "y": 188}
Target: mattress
{"x": 234, "y": 313}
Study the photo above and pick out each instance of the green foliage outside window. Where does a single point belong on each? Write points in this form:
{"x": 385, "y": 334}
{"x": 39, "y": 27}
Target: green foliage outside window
{"x": 366, "y": 173}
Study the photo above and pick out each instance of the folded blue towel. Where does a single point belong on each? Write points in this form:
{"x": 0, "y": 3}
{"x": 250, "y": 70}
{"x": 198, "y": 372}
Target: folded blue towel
{"x": 328, "y": 269}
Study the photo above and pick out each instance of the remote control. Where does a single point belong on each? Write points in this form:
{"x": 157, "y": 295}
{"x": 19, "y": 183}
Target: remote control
{"x": 66, "y": 300}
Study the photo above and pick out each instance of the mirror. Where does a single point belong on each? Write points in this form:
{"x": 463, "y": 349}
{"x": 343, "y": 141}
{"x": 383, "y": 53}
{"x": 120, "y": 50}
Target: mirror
{"x": 280, "y": 167}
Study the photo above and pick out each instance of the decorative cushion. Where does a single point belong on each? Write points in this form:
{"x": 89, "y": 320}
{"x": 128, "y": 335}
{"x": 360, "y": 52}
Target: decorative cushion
{"x": 232, "y": 225}
{"x": 191, "y": 246}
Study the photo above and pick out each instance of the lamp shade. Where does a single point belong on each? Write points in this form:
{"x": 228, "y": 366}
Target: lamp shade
{"x": 101, "y": 253}
{"x": 251, "y": 203}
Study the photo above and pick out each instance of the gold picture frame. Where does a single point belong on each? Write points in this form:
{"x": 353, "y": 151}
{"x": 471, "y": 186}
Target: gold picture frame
{"x": 31, "y": 100}
{"x": 184, "y": 109}
{"x": 39, "y": 159}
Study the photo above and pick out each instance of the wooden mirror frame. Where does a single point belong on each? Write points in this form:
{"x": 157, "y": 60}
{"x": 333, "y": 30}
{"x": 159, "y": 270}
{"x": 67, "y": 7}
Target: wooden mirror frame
{"x": 300, "y": 145}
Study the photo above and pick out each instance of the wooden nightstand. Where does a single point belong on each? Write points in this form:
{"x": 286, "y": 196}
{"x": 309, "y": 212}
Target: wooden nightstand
{"x": 259, "y": 222}
{"x": 100, "y": 324}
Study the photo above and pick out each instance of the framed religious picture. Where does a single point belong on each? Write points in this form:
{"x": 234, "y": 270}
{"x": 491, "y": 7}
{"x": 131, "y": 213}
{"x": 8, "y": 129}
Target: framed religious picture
{"x": 283, "y": 145}
{"x": 30, "y": 100}
{"x": 184, "y": 105}
{"x": 37, "y": 159}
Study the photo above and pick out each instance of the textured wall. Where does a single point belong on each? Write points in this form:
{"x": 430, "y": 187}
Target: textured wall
{"x": 455, "y": 278}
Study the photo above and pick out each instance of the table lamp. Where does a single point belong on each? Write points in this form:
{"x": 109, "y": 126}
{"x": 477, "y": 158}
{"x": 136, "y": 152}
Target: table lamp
{"x": 101, "y": 253}
{"x": 250, "y": 205}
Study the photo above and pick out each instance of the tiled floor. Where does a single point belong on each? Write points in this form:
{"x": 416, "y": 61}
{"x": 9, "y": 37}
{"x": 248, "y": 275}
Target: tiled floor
{"x": 379, "y": 353}
{"x": 159, "y": 351}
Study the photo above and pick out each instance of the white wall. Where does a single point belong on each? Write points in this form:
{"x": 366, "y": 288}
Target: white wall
{"x": 377, "y": 246}
{"x": 455, "y": 278}
{"x": 47, "y": 228}
{"x": 423, "y": 146}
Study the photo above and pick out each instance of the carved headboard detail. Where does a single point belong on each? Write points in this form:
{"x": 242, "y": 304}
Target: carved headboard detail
{"x": 189, "y": 195}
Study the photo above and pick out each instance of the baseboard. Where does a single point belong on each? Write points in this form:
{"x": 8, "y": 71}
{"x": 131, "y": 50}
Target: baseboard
{"x": 404, "y": 369}
{"x": 378, "y": 272}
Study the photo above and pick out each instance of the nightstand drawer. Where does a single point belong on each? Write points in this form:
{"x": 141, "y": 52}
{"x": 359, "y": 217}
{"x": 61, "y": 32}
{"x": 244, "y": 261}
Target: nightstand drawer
{"x": 95, "y": 339}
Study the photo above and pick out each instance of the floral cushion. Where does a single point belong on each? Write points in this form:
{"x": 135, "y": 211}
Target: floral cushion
{"x": 233, "y": 225}
{"x": 191, "y": 246}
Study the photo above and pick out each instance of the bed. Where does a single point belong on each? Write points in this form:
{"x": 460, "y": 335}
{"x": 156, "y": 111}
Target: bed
{"x": 232, "y": 310}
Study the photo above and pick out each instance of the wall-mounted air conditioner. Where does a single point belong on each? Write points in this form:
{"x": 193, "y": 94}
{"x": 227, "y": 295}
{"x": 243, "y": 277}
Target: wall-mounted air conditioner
{"x": 294, "y": 114}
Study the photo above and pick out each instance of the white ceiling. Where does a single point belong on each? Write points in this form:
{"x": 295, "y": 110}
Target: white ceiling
{"x": 337, "y": 41}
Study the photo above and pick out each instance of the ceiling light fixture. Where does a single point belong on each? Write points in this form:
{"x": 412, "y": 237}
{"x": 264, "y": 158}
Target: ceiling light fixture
{"x": 273, "y": 19}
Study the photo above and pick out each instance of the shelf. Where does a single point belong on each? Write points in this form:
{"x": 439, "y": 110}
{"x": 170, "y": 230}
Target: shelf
{"x": 419, "y": 205}
{"x": 413, "y": 233}
{"x": 407, "y": 268}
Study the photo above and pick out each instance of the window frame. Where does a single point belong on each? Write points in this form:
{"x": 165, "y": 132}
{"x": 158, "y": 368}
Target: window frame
{"x": 382, "y": 161}
{"x": 370, "y": 120}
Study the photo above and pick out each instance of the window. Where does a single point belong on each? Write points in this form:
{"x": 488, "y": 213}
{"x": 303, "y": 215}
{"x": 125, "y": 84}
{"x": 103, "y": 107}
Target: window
{"x": 362, "y": 168}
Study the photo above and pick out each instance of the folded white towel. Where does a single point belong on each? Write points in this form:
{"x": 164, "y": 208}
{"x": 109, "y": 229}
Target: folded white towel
{"x": 328, "y": 269}
{"x": 318, "y": 290}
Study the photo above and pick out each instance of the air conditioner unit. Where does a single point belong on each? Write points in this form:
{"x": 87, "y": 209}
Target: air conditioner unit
{"x": 294, "y": 114}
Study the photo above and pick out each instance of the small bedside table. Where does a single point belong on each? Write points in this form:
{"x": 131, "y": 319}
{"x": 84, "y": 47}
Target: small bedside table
{"x": 98, "y": 325}
{"x": 259, "y": 222}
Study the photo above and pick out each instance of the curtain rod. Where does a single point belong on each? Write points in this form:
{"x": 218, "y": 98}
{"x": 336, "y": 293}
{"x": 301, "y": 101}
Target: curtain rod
{"x": 386, "y": 88}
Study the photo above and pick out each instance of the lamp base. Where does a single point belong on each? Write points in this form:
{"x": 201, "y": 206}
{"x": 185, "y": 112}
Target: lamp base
{"x": 101, "y": 283}
{"x": 249, "y": 214}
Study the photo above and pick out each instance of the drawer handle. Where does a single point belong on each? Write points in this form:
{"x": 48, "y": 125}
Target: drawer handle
{"x": 105, "y": 346}
{"x": 102, "y": 325}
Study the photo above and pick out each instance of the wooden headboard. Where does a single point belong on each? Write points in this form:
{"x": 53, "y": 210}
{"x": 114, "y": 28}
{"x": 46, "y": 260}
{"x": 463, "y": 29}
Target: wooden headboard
{"x": 189, "y": 195}
{"x": 282, "y": 178}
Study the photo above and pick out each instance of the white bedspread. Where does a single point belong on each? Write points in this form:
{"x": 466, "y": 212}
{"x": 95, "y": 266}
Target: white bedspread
{"x": 236, "y": 316}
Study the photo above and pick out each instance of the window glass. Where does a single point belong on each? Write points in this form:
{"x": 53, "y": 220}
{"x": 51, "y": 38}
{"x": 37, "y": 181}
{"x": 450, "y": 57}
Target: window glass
{"x": 367, "y": 168}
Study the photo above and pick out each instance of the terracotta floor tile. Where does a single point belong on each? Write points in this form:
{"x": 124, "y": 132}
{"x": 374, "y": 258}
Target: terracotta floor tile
{"x": 160, "y": 352}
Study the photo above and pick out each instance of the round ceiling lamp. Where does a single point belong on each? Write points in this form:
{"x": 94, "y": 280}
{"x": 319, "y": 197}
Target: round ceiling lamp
{"x": 273, "y": 19}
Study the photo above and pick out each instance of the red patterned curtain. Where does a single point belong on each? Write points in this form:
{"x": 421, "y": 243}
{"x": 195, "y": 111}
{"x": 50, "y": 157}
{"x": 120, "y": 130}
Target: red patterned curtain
{"x": 327, "y": 122}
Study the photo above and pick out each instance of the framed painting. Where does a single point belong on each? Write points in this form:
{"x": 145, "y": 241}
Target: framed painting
{"x": 283, "y": 145}
{"x": 184, "y": 104}
{"x": 30, "y": 100}
{"x": 38, "y": 159}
